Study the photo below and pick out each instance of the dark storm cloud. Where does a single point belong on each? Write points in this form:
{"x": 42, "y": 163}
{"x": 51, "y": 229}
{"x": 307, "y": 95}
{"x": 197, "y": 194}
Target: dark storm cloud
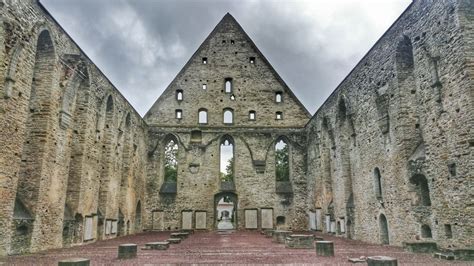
{"x": 142, "y": 45}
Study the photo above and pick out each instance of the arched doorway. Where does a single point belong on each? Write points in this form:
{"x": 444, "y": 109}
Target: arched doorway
{"x": 383, "y": 230}
{"x": 225, "y": 211}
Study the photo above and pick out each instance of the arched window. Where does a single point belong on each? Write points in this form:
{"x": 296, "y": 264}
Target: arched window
{"x": 202, "y": 116}
{"x": 384, "y": 234}
{"x": 228, "y": 85}
{"x": 228, "y": 116}
{"x": 171, "y": 160}
{"x": 426, "y": 231}
{"x": 282, "y": 160}
{"x": 138, "y": 216}
{"x": 377, "y": 183}
{"x": 422, "y": 189}
{"x": 227, "y": 158}
{"x": 127, "y": 121}
{"x": 252, "y": 115}
{"x": 278, "y": 97}
{"x": 179, "y": 95}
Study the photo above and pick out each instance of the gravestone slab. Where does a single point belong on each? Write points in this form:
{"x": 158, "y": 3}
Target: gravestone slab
{"x": 187, "y": 220}
{"x": 267, "y": 218}
{"x": 251, "y": 220}
{"x": 201, "y": 220}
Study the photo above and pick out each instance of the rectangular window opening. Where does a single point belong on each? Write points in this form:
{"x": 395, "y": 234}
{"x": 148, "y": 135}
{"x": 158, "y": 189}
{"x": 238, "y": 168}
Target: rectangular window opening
{"x": 204, "y": 60}
{"x": 252, "y": 115}
{"x": 179, "y": 114}
{"x": 279, "y": 116}
{"x": 204, "y": 86}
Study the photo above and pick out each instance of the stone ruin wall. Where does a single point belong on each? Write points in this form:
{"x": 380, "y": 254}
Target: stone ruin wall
{"x": 404, "y": 114}
{"x": 72, "y": 146}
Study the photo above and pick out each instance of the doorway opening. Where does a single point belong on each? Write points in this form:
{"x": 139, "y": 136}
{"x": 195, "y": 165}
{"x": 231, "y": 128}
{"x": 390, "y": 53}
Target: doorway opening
{"x": 225, "y": 211}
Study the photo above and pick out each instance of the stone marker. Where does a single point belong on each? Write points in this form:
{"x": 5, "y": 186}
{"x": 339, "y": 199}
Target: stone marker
{"x": 279, "y": 236}
{"x": 420, "y": 246}
{"x": 127, "y": 251}
{"x": 325, "y": 248}
{"x": 182, "y": 235}
{"x": 357, "y": 260}
{"x": 74, "y": 262}
{"x": 269, "y": 232}
{"x": 300, "y": 241}
{"x": 158, "y": 245}
{"x": 381, "y": 261}
{"x": 174, "y": 240}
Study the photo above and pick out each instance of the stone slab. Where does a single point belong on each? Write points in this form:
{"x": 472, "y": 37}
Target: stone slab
{"x": 381, "y": 261}
{"x": 300, "y": 241}
{"x": 174, "y": 240}
{"x": 251, "y": 219}
{"x": 127, "y": 251}
{"x": 164, "y": 245}
{"x": 74, "y": 262}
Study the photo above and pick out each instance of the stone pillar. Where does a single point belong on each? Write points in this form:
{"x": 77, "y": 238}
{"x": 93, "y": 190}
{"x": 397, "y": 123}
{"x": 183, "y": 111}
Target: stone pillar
{"x": 381, "y": 261}
{"x": 127, "y": 251}
{"x": 325, "y": 248}
{"x": 74, "y": 262}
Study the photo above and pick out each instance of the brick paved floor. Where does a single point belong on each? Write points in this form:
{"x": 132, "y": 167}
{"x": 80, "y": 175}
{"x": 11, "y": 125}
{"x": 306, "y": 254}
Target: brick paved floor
{"x": 242, "y": 247}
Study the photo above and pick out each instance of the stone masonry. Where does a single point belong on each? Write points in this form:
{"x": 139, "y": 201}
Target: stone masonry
{"x": 388, "y": 158}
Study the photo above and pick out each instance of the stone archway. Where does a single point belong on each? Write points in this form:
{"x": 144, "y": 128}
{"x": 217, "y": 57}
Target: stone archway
{"x": 225, "y": 211}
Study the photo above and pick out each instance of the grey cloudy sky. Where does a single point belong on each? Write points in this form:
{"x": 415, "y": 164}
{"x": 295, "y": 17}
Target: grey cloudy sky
{"x": 141, "y": 45}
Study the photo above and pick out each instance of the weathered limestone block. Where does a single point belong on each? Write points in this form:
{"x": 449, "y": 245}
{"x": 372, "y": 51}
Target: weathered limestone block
{"x": 127, "y": 251}
{"x": 180, "y": 235}
{"x": 174, "y": 240}
{"x": 74, "y": 262}
{"x": 420, "y": 247}
{"x": 381, "y": 261}
{"x": 268, "y": 232}
{"x": 300, "y": 241}
{"x": 325, "y": 248}
{"x": 279, "y": 236}
{"x": 164, "y": 245}
{"x": 443, "y": 256}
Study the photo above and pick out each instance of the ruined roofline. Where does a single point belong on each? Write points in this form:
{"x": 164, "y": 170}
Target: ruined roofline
{"x": 88, "y": 58}
{"x": 228, "y": 16}
{"x": 360, "y": 62}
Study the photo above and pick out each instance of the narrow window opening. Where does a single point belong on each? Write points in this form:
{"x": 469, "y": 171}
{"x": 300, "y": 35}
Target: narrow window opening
{"x": 452, "y": 169}
{"x": 227, "y": 159}
{"x": 278, "y": 97}
{"x": 204, "y": 60}
{"x": 252, "y": 60}
{"x": 280, "y": 220}
{"x": 232, "y": 97}
{"x": 232, "y": 42}
{"x": 223, "y": 41}
{"x": 252, "y": 115}
{"x": 282, "y": 161}
{"x": 179, "y": 113}
{"x": 204, "y": 86}
{"x": 279, "y": 115}
{"x": 448, "y": 231}
{"x": 179, "y": 95}
{"x": 202, "y": 116}
{"x": 378, "y": 183}
{"x": 422, "y": 189}
{"x": 228, "y": 116}
{"x": 171, "y": 161}
{"x": 228, "y": 85}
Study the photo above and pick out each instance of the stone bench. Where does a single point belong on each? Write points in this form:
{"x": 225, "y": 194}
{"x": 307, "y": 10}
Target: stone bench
{"x": 164, "y": 245}
{"x": 74, "y": 262}
{"x": 268, "y": 232}
{"x": 443, "y": 256}
{"x": 325, "y": 248}
{"x": 127, "y": 251}
{"x": 181, "y": 235}
{"x": 300, "y": 241}
{"x": 420, "y": 247}
{"x": 279, "y": 236}
{"x": 174, "y": 240}
{"x": 381, "y": 261}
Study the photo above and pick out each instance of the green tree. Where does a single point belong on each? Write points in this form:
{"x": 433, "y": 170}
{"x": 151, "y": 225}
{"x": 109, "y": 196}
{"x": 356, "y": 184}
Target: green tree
{"x": 229, "y": 171}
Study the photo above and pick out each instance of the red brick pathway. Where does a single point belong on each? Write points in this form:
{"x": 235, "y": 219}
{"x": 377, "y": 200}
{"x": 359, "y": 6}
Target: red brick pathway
{"x": 242, "y": 247}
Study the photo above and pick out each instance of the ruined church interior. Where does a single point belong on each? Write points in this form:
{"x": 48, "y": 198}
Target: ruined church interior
{"x": 228, "y": 150}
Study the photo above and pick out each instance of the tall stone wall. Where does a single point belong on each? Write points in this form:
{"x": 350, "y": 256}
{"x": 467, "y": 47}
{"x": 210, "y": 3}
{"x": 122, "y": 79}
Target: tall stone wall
{"x": 72, "y": 146}
{"x": 390, "y": 151}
